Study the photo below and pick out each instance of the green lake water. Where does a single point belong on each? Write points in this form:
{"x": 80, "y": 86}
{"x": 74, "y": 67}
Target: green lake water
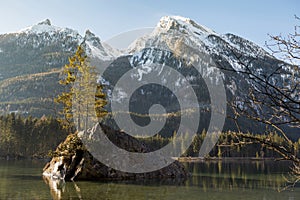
{"x": 209, "y": 180}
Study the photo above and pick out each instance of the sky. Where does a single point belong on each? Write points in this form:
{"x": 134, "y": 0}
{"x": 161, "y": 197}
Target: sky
{"x": 251, "y": 19}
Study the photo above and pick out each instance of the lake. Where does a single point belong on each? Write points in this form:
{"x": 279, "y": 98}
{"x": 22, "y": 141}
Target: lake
{"x": 21, "y": 179}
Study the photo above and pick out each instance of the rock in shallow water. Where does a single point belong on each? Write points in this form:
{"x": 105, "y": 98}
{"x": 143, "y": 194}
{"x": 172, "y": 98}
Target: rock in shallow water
{"x": 72, "y": 161}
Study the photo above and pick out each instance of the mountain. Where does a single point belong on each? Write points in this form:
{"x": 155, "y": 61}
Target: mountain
{"x": 31, "y": 60}
{"x": 176, "y": 42}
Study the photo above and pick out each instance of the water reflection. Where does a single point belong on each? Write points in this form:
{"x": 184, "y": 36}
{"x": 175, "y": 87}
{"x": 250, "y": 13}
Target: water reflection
{"x": 232, "y": 175}
{"x": 57, "y": 187}
{"x": 225, "y": 180}
{"x": 60, "y": 189}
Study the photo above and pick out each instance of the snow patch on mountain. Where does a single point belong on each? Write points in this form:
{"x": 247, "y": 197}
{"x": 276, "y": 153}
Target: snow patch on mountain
{"x": 245, "y": 46}
{"x": 147, "y": 56}
{"x": 42, "y": 28}
{"x": 144, "y": 69}
{"x": 232, "y": 87}
{"x": 98, "y": 53}
{"x": 1, "y": 50}
{"x": 114, "y": 52}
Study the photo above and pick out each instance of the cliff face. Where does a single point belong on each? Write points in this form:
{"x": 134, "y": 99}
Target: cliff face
{"x": 72, "y": 161}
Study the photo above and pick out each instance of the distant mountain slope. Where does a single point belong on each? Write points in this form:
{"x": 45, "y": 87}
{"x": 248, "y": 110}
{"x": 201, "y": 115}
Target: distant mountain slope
{"x": 29, "y": 94}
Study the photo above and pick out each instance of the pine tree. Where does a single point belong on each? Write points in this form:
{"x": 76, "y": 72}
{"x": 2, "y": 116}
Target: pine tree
{"x": 84, "y": 101}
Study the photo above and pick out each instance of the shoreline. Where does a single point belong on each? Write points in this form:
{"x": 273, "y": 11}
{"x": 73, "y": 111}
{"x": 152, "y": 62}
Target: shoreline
{"x": 24, "y": 158}
{"x": 180, "y": 159}
{"x": 223, "y": 159}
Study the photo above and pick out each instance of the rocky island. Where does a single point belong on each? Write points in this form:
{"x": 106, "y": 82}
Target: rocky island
{"x": 72, "y": 161}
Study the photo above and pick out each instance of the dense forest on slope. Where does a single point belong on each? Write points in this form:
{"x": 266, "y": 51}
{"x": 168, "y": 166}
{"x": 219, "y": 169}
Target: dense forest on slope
{"x": 29, "y": 94}
{"x": 28, "y": 137}
{"x": 228, "y": 145}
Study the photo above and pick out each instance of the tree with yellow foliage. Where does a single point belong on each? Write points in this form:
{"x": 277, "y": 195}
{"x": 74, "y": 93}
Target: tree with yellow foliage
{"x": 83, "y": 101}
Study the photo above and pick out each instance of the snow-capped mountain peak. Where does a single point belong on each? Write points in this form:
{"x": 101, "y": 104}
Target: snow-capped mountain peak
{"x": 94, "y": 47}
{"x": 45, "y": 22}
{"x": 41, "y": 27}
{"x": 90, "y": 36}
{"x": 171, "y": 32}
{"x": 44, "y": 33}
{"x": 176, "y": 33}
{"x": 182, "y": 24}
{"x": 46, "y": 27}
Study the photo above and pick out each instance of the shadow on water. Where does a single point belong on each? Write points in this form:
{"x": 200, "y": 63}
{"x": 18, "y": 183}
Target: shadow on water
{"x": 209, "y": 180}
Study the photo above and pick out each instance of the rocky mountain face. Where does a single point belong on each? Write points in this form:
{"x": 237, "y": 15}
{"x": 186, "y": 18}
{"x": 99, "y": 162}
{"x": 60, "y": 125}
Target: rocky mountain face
{"x": 31, "y": 59}
{"x": 176, "y": 42}
{"x": 30, "y": 65}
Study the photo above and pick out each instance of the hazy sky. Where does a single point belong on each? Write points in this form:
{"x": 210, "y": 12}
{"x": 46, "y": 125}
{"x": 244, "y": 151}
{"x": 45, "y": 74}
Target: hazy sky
{"x": 252, "y": 19}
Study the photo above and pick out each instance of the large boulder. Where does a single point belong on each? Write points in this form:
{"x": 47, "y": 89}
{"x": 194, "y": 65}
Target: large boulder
{"x": 72, "y": 161}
